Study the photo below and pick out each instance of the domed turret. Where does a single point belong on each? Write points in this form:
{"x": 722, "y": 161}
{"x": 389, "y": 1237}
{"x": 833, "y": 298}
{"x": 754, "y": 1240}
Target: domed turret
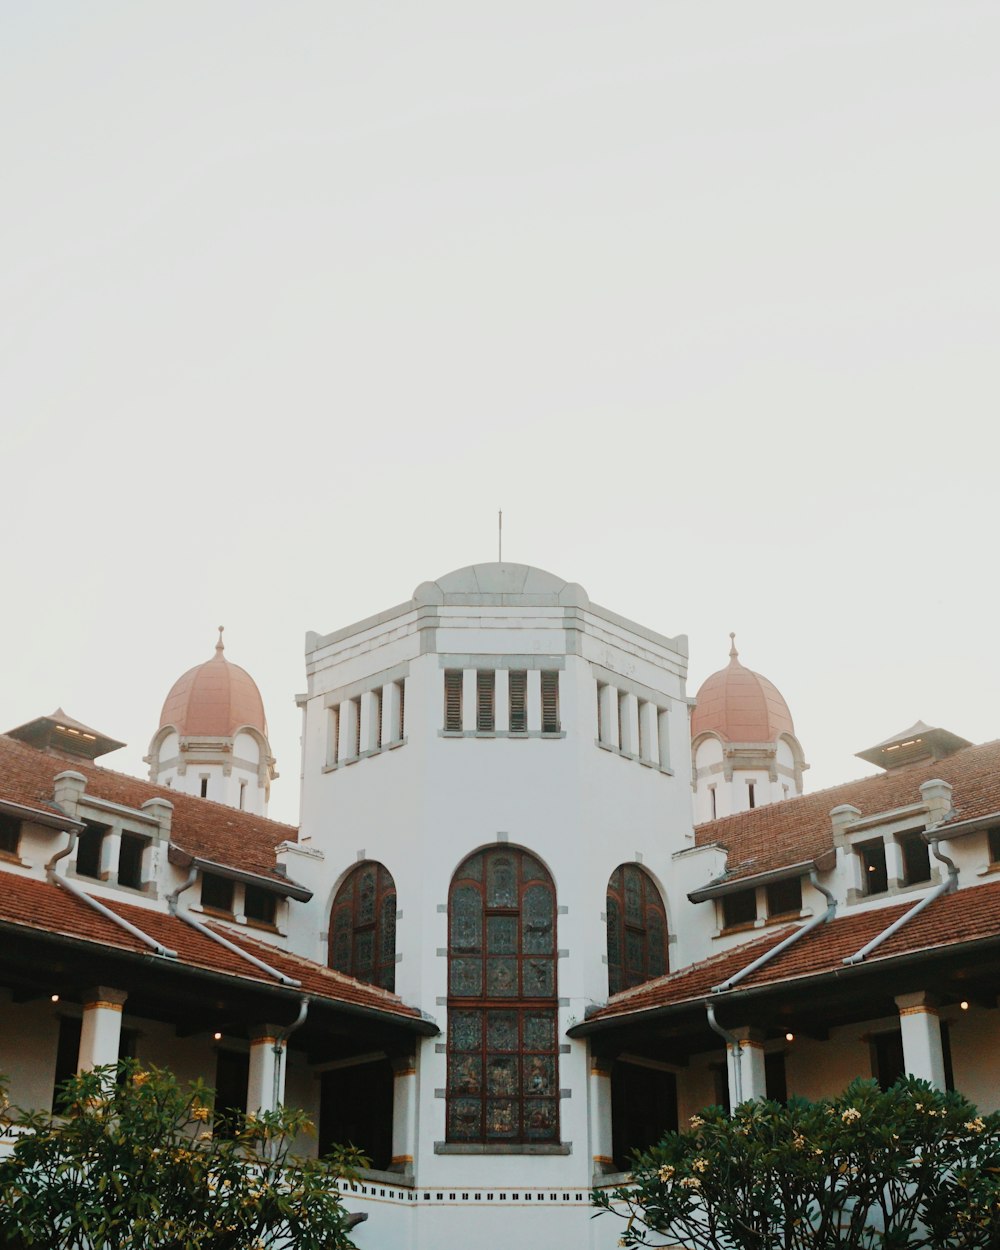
{"x": 212, "y": 739}
{"x": 743, "y": 745}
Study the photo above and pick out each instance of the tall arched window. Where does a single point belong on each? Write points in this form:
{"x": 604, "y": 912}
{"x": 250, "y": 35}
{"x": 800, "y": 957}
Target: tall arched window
{"x": 363, "y": 926}
{"x": 637, "y": 929}
{"x": 503, "y": 1078}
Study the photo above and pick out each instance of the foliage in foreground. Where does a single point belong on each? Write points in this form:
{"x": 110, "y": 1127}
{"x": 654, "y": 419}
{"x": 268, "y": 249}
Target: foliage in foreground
{"x": 132, "y": 1164}
{"x": 910, "y": 1167}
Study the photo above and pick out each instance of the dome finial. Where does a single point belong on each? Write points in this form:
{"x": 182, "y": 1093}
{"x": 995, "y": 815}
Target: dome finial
{"x": 733, "y": 653}
{"x": 220, "y": 646}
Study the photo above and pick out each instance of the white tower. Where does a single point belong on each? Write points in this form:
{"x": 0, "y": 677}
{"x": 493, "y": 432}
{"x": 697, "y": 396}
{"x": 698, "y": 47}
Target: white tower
{"x": 212, "y": 740}
{"x": 744, "y": 752}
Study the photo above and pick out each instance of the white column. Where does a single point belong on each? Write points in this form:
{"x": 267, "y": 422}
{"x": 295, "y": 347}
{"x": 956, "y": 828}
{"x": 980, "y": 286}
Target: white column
{"x": 404, "y": 1114}
{"x": 920, "y": 1025}
{"x": 894, "y": 862}
{"x": 649, "y": 735}
{"x": 390, "y": 712}
{"x": 101, "y": 1031}
{"x": 260, "y": 1081}
{"x": 748, "y": 1053}
{"x": 501, "y": 701}
{"x": 629, "y": 710}
{"x": 663, "y": 737}
{"x": 609, "y": 715}
{"x": 534, "y": 700}
{"x": 348, "y": 729}
{"x": 599, "y": 1107}
{"x": 369, "y": 720}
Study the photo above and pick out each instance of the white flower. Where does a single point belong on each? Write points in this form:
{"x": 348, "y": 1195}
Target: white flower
{"x": 852, "y": 1114}
{"x": 976, "y": 1126}
{"x": 665, "y": 1172}
{"x": 699, "y": 1165}
{"x": 696, "y": 1121}
{"x": 690, "y": 1182}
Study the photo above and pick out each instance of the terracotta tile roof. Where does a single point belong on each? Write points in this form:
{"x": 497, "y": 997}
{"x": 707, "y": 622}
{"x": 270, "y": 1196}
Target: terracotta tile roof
{"x": 33, "y": 904}
{"x": 798, "y": 829}
{"x": 203, "y": 828}
{"x": 967, "y": 915}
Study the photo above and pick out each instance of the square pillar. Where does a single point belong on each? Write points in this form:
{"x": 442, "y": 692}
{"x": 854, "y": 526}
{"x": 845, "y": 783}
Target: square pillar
{"x": 599, "y": 1109}
{"x": 629, "y": 712}
{"x": 348, "y": 729}
{"x": 263, "y": 1061}
{"x": 469, "y": 700}
{"x": 501, "y": 701}
{"x": 748, "y": 1056}
{"x": 663, "y": 736}
{"x": 920, "y": 1025}
{"x": 534, "y": 700}
{"x": 101, "y": 1030}
{"x": 369, "y": 721}
{"x": 894, "y": 870}
{"x": 649, "y": 733}
{"x": 609, "y": 715}
{"x": 391, "y": 726}
{"x": 404, "y": 1114}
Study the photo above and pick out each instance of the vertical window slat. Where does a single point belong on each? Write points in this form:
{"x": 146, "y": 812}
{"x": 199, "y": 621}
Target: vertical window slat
{"x": 453, "y": 700}
{"x": 550, "y": 702}
{"x": 485, "y": 700}
{"x": 517, "y": 685}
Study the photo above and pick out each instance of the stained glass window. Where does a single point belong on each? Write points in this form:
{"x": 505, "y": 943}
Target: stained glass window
{"x": 363, "y": 926}
{"x": 503, "y": 1057}
{"x": 637, "y": 929}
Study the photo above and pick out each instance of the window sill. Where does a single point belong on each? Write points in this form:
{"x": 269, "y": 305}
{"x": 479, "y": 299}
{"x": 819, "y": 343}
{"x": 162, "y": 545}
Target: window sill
{"x": 502, "y": 1148}
{"x": 365, "y": 755}
{"x": 502, "y": 733}
{"x": 655, "y": 765}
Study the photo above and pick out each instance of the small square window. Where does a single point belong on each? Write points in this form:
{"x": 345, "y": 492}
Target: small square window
{"x": 993, "y": 839}
{"x": 739, "y": 908}
{"x": 216, "y": 892}
{"x": 874, "y": 878}
{"x": 916, "y": 859}
{"x": 88, "y": 851}
{"x": 784, "y": 897}
{"x": 10, "y": 834}
{"x": 130, "y": 852}
{"x": 259, "y": 905}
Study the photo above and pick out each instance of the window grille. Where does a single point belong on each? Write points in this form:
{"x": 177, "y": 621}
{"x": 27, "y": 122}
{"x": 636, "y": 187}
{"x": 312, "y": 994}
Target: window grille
{"x": 637, "y": 929}
{"x": 356, "y": 703}
{"x": 600, "y": 712}
{"x": 401, "y": 686}
{"x": 503, "y": 1046}
{"x": 334, "y": 735}
{"x": 641, "y": 740}
{"x": 485, "y": 700}
{"x": 550, "y": 703}
{"x": 453, "y": 700}
{"x": 378, "y": 717}
{"x": 518, "y": 695}
{"x": 363, "y": 926}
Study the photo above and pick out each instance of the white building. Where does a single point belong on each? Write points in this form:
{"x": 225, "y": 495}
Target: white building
{"x": 498, "y": 952}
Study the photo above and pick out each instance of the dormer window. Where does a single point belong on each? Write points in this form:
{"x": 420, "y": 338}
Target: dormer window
{"x": 259, "y": 905}
{"x": 993, "y": 841}
{"x": 131, "y": 849}
{"x": 88, "y": 851}
{"x": 739, "y": 909}
{"x": 216, "y": 893}
{"x": 916, "y": 859}
{"x": 874, "y": 876}
{"x": 10, "y": 834}
{"x": 784, "y": 898}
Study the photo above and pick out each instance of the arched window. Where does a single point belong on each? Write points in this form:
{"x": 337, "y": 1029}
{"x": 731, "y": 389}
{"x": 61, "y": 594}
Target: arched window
{"x": 363, "y": 926}
{"x": 503, "y": 1078}
{"x": 637, "y": 929}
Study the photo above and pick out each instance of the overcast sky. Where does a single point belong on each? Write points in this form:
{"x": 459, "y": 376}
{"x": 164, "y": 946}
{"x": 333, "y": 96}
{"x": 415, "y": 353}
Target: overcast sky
{"x": 294, "y": 296}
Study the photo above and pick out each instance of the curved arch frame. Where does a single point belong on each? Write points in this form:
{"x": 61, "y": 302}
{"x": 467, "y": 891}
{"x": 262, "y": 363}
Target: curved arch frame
{"x": 503, "y": 1052}
{"x": 362, "y": 940}
{"x": 637, "y": 928}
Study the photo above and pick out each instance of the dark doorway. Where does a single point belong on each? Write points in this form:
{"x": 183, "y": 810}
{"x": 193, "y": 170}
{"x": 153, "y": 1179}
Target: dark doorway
{"x": 643, "y": 1108}
{"x": 887, "y": 1058}
{"x": 355, "y": 1109}
{"x": 232, "y": 1071}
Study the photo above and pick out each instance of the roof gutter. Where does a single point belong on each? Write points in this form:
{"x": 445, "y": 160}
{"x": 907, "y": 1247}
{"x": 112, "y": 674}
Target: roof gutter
{"x": 291, "y": 889}
{"x": 946, "y": 886}
{"x": 730, "y": 885}
{"x": 785, "y": 943}
{"x": 36, "y": 816}
{"x": 71, "y": 888}
{"x": 203, "y": 929}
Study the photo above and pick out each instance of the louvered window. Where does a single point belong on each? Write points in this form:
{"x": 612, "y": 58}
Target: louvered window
{"x": 453, "y": 700}
{"x": 622, "y": 713}
{"x": 550, "y": 703}
{"x": 357, "y": 726}
{"x": 518, "y": 690}
{"x": 402, "y": 708}
{"x": 334, "y": 752}
{"x": 600, "y": 713}
{"x": 378, "y": 717}
{"x": 363, "y": 926}
{"x": 637, "y": 929}
{"x": 641, "y": 744}
{"x": 485, "y": 692}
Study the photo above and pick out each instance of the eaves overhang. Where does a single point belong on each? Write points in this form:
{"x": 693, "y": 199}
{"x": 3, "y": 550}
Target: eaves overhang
{"x": 286, "y": 887}
{"x": 40, "y": 816}
{"x": 730, "y": 885}
{"x": 869, "y": 970}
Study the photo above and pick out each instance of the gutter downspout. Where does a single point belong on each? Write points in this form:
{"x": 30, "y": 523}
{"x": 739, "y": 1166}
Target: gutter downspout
{"x": 188, "y": 919}
{"x": 71, "y": 888}
{"x": 280, "y": 1042}
{"x": 949, "y": 884}
{"x": 783, "y": 945}
{"x": 735, "y": 1049}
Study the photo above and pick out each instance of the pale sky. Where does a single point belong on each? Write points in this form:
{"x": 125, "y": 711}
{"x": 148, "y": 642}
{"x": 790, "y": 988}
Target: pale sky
{"x": 294, "y": 296}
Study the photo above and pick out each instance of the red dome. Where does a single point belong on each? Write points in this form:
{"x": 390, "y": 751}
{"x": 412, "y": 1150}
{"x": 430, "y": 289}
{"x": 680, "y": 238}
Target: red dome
{"x": 740, "y": 706}
{"x": 214, "y": 699}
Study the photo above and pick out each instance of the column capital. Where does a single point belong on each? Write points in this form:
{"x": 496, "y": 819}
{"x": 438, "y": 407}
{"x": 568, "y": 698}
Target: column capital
{"x": 104, "y": 996}
{"x": 749, "y": 1036}
{"x": 261, "y": 1033}
{"x": 921, "y": 1002}
{"x": 403, "y": 1065}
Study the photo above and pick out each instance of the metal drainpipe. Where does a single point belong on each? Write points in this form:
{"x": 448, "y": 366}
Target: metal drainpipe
{"x": 945, "y": 887}
{"x": 280, "y": 1042}
{"x": 733, "y": 1042}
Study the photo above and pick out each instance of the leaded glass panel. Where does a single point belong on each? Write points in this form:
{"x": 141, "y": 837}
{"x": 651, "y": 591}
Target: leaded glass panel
{"x": 536, "y": 921}
{"x": 501, "y": 1118}
{"x": 472, "y": 869}
{"x": 501, "y": 935}
{"x": 364, "y": 952}
{"x": 466, "y": 1075}
{"x": 501, "y": 1074}
{"x": 634, "y": 943}
{"x": 541, "y": 1120}
{"x": 387, "y": 940}
{"x": 539, "y": 978}
{"x": 363, "y": 926}
{"x": 539, "y": 1031}
{"x": 637, "y": 928}
{"x": 657, "y": 944}
{"x": 540, "y": 1074}
{"x": 466, "y": 979}
{"x": 501, "y": 882}
{"x": 501, "y": 978}
{"x": 531, "y": 869}
{"x": 633, "y": 896}
{"x": 466, "y": 919}
{"x": 465, "y": 1119}
{"x": 501, "y": 1030}
{"x": 366, "y": 896}
{"x": 466, "y": 1030}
